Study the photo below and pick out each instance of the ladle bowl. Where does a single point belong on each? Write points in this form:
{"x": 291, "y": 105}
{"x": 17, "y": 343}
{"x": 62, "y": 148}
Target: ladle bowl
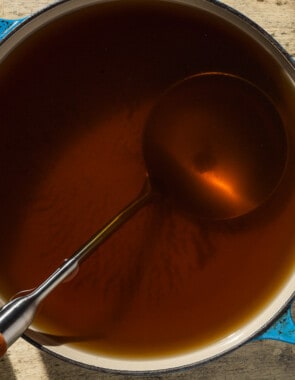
{"x": 217, "y": 144}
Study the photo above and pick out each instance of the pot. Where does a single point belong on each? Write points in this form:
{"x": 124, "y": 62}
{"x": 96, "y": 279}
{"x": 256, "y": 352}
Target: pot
{"x": 252, "y": 54}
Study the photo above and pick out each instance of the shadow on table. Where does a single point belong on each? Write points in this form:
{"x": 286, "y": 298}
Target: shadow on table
{"x": 59, "y": 369}
{"x": 255, "y": 360}
{"x": 6, "y": 369}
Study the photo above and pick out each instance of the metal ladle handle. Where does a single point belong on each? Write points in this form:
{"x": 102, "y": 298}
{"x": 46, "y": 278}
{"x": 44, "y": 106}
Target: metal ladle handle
{"x": 17, "y": 315}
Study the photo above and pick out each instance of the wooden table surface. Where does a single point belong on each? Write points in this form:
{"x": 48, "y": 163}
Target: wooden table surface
{"x": 256, "y": 360}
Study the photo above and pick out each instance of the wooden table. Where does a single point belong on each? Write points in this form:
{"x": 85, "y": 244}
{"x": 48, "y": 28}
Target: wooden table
{"x": 256, "y": 360}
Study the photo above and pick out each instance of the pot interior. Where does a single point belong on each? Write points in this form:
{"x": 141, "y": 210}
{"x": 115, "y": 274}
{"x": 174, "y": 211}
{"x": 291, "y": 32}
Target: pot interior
{"x": 164, "y": 291}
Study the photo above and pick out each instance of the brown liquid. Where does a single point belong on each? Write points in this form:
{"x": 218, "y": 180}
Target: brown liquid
{"x": 74, "y": 100}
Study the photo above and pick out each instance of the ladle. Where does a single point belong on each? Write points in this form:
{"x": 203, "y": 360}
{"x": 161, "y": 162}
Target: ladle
{"x": 214, "y": 143}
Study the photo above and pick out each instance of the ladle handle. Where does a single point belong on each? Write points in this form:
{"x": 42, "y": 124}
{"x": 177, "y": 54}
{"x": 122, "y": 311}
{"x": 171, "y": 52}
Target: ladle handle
{"x": 283, "y": 329}
{"x": 17, "y": 315}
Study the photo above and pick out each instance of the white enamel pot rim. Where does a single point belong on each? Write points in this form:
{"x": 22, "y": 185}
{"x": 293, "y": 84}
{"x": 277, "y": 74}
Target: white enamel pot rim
{"x": 286, "y": 293}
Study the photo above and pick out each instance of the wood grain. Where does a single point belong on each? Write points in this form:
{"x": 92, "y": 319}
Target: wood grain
{"x": 257, "y": 360}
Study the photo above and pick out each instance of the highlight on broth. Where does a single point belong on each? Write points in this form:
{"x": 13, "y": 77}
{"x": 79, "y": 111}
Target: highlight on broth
{"x": 74, "y": 102}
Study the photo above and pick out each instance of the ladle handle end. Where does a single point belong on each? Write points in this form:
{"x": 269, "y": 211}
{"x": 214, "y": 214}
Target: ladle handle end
{"x": 15, "y": 317}
{"x": 3, "y": 345}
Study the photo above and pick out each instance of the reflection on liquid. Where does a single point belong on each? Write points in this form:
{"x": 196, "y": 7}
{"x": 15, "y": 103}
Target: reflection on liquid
{"x": 224, "y": 189}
